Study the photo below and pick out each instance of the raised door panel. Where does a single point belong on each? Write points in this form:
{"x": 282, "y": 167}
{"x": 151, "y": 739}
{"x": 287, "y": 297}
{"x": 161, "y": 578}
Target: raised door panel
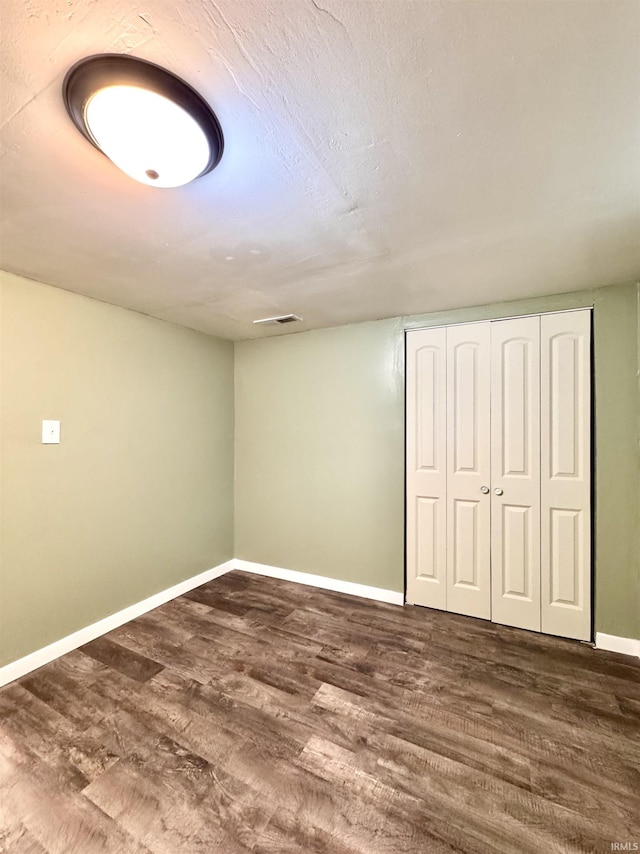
{"x": 468, "y": 470}
{"x": 566, "y": 473}
{"x": 426, "y": 467}
{"x": 515, "y": 472}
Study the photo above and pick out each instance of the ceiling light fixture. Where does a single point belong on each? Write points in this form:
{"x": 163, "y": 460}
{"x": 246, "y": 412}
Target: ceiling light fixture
{"x": 149, "y": 122}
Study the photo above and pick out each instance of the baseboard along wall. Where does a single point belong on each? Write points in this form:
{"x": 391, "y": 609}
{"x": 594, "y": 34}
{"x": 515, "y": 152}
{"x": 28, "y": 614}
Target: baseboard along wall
{"x": 364, "y": 591}
{"x": 612, "y": 643}
{"x": 27, "y": 664}
{"x": 40, "y": 657}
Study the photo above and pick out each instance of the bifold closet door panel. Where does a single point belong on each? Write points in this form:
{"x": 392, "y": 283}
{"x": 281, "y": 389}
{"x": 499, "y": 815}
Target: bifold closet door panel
{"x": 426, "y": 450}
{"x": 515, "y": 472}
{"x": 468, "y": 470}
{"x": 566, "y": 473}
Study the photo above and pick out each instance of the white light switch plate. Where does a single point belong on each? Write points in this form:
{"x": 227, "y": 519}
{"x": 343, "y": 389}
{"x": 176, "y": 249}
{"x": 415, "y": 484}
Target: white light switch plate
{"x": 50, "y": 432}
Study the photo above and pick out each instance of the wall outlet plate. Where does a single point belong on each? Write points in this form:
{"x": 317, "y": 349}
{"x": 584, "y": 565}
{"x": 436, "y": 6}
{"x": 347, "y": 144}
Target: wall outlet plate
{"x": 50, "y": 432}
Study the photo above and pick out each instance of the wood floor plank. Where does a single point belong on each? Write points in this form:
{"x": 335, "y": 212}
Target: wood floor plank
{"x": 68, "y": 750}
{"x": 256, "y": 715}
{"x": 15, "y": 837}
{"x": 60, "y": 820}
{"x": 111, "y": 653}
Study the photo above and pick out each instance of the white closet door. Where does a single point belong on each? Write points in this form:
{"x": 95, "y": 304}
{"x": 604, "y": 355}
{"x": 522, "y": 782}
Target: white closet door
{"x": 515, "y": 472}
{"x": 566, "y": 474}
{"x": 468, "y": 470}
{"x": 426, "y": 468}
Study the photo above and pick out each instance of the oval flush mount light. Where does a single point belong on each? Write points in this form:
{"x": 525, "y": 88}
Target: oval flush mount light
{"x": 151, "y": 124}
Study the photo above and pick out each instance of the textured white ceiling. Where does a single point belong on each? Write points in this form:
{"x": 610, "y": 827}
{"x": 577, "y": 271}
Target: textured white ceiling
{"x": 383, "y": 157}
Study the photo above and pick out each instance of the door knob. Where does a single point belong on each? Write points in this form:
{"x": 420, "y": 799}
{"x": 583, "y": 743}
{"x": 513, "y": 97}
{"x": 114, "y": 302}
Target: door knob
{"x": 498, "y": 491}
{"x": 484, "y": 490}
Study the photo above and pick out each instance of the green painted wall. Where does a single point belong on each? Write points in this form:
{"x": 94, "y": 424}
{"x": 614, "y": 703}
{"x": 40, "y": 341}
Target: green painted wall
{"x": 320, "y": 445}
{"x": 320, "y": 449}
{"x": 139, "y": 494}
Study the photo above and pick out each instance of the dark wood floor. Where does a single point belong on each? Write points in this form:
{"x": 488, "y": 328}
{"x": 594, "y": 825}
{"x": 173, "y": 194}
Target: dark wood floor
{"x": 255, "y": 715}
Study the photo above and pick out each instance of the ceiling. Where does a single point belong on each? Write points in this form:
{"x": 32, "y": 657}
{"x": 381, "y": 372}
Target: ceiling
{"x": 383, "y": 157}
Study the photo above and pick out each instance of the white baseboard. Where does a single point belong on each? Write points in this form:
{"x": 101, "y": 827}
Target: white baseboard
{"x": 350, "y": 587}
{"x": 612, "y": 643}
{"x": 54, "y": 650}
{"x": 19, "y": 668}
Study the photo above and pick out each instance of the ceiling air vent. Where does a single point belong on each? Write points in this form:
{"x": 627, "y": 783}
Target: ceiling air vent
{"x": 283, "y": 318}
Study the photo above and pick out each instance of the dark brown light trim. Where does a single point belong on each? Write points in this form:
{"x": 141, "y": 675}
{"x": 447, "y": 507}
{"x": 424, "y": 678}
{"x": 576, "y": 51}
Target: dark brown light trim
{"x": 89, "y": 75}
